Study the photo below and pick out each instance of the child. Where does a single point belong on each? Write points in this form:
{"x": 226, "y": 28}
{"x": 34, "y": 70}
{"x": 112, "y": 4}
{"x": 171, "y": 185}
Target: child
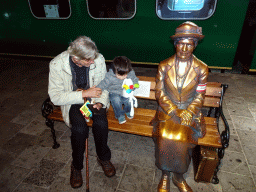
{"x": 113, "y": 83}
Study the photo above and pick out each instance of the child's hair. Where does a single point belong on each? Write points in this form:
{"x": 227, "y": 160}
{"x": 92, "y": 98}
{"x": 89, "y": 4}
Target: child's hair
{"x": 121, "y": 65}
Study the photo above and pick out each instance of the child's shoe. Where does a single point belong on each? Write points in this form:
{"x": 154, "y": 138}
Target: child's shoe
{"x": 129, "y": 116}
{"x": 121, "y": 119}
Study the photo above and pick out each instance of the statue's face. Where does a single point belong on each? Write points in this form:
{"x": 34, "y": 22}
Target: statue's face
{"x": 185, "y": 48}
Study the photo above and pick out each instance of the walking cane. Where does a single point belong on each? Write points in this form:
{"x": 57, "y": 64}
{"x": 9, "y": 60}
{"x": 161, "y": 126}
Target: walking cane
{"x": 86, "y": 161}
{"x": 87, "y": 165}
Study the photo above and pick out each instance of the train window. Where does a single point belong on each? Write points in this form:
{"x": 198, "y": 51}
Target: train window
{"x": 50, "y": 9}
{"x": 114, "y": 9}
{"x": 185, "y": 9}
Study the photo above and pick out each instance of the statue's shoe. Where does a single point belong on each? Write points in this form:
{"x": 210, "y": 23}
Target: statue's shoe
{"x": 164, "y": 184}
{"x": 182, "y": 186}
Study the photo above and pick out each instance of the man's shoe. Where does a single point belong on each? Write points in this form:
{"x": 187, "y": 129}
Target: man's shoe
{"x": 182, "y": 186}
{"x": 107, "y": 167}
{"x": 76, "y": 179}
{"x": 164, "y": 184}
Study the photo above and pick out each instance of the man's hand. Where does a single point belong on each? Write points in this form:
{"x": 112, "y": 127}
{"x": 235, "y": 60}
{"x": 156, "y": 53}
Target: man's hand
{"x": 98, "y": 106}
{"x": 92, "y": 92}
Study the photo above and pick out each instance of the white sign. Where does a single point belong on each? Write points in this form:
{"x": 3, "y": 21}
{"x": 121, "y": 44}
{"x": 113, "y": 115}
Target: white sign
{"x": 143, "y": 90}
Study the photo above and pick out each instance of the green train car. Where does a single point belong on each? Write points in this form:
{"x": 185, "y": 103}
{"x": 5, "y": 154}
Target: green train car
{"x": 138, "y": 29}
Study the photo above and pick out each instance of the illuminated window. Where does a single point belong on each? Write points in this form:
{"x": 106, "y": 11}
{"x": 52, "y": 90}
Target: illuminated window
{"x": 185, "y": 9}
{"x": 114, "y": 9}
{"x": 50, "y": 9}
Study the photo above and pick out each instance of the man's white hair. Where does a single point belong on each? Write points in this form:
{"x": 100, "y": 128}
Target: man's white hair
{"x": 83, "y": 48}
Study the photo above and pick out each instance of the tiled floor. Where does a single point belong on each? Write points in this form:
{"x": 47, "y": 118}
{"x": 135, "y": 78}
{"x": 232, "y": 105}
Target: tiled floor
{"x": 28, "y": 163}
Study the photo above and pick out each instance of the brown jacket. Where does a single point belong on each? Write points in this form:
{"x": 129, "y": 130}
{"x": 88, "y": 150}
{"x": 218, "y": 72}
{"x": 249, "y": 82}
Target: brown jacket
{"x": 190, "y": 99}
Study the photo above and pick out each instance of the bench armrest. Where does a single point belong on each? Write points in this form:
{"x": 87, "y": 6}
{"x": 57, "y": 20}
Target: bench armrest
{"x": 225, "y": 135}
{"x": 47, "y": 108}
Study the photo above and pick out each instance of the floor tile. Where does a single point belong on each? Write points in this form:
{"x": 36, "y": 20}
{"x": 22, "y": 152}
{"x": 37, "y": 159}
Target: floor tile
{"x": 247, "y": 137}
{"x": 62, "y": 184}
{"x": 100, "y": 183}
{"x": 232, "y": 90}
{"x": 234, "y": 144}
{"x": 244, "y": 123}
{"x": 11, "y": 177}
{"x": 31, "y": 156}
{"x": 45, "y": 174}
{"x": 249, "y": 97}
{"x": 118, "y": 159}
{"x": 65, "y": 172}
{"x": 7, "y": 131}
{"x": 61, "y": 154}
{"x": 233, "y": 100}
{"x": 142, "y": 156}
{"x": 144, "y": 141}
{"x": 121, "y": 190}
{"x": 120, "y": 141}
{"x": 235, "y": 163}
{"x": 250, "y": 154}
{"x": 154, "y": 188}
{"x": 6, "y": 157}
{"x": 203, "y": 186}
{"x": 232, "y": 182}
{"x": 46, "y": 140}
{"x": 19, "y": 142}
{"x": 137, "y": 179}
{"x": 5, "y": 119}
{"x": 239, "y": 110}
{"x": 24, "y": 118}
{"x": 29, "y": 188}
{"x": 66, "y": 136}
{"x": 253, "y": 170}
{"x": 35, "y": 127}
{"x": 60, "y": 126}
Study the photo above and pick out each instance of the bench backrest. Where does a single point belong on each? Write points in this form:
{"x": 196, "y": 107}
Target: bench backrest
{"x": 212, "y": 95}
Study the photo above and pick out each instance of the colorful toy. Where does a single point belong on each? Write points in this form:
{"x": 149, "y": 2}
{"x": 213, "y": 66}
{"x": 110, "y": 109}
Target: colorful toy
{"x": 86, "y": 111}
{"x": 130, "y": 88}
{"x": 128, "y": 93}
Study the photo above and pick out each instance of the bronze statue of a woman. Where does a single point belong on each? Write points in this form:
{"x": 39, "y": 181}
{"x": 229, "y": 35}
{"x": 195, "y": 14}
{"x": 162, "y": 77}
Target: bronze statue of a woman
{"x": 180, "y": 91}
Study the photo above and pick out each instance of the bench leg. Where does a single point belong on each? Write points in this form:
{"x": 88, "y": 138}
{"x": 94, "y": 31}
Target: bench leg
{"x": 215, "y": 179}
{"x": 50, "y": 123}
{"x": 221, "y": 152}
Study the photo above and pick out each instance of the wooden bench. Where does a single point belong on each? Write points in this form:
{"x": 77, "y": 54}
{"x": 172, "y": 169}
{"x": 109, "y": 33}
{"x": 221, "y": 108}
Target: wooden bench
{"x": 213, "y": 141}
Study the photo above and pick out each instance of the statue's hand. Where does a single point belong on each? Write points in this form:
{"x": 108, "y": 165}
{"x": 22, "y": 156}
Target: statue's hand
{"x": 186, "y": 117}
{"x": 178, "y": 112}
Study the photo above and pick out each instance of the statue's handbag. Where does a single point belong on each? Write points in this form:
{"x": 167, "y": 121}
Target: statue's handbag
{"x": 205, "y": 161}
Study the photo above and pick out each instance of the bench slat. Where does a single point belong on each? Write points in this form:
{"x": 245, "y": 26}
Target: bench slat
{"x": 213, "y": 88}
{"x": 211, "y": 102}
{"x": 139, "y": 125}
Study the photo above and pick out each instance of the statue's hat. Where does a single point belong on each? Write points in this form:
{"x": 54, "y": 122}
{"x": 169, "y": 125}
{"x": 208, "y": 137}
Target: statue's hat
{"x": 188, "y": 29}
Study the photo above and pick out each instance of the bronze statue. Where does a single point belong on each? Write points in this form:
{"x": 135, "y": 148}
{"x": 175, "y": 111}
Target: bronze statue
{"x": 180, "y": 91}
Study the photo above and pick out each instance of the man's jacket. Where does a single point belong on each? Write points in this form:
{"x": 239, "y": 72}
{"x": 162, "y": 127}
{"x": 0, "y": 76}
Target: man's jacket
{"x": 60, "y": 87}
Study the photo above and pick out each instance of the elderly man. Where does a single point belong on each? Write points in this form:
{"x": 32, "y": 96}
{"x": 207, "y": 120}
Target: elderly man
{"x": 73, "y": 76}
{"x": 180, "y": 91}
